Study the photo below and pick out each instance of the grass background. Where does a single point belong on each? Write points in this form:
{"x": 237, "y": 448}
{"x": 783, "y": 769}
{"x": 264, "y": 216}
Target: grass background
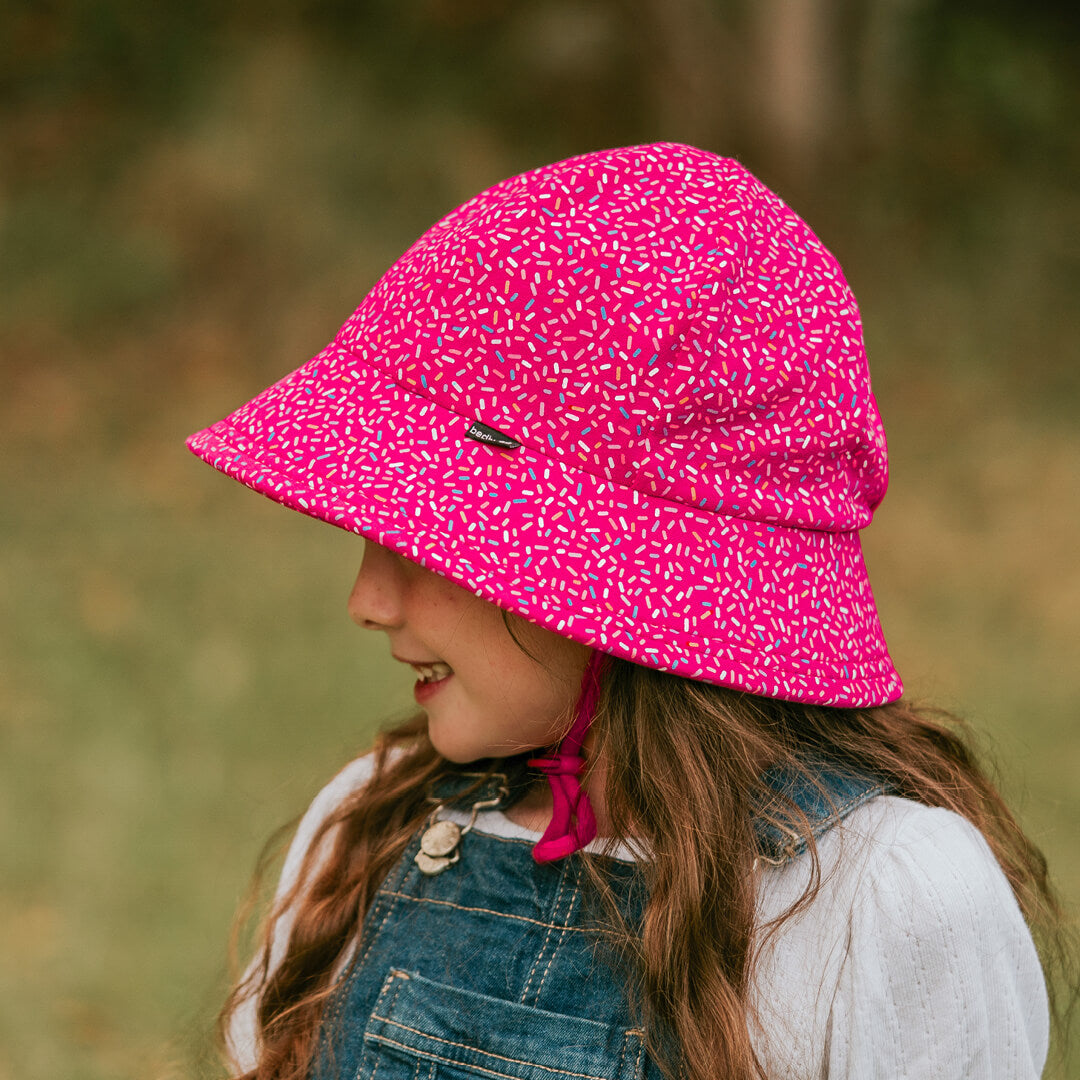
{"x": 194, "y": 200}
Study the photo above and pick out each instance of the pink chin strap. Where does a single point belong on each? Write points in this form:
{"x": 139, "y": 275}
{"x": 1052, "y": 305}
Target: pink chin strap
{"x": 564, "y": 834}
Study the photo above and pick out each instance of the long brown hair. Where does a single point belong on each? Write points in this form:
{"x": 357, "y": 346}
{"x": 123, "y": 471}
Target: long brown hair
{"x": 676, "y": 750}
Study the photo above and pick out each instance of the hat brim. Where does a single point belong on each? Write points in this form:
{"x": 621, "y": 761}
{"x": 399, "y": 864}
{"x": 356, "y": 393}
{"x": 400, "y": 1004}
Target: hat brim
{"x": 591, "y": 560}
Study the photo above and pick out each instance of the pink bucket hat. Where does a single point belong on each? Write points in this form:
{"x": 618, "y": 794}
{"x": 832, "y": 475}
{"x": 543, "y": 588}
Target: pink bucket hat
{"x": 626, "y": 396}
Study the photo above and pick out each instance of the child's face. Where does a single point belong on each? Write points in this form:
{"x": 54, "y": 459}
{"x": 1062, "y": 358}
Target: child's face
{"x": 498, "y": 701}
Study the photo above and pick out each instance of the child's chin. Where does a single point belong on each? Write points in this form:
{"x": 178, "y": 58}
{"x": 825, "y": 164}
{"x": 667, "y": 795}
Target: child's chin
{"x": 460, "y": 757}
{"x": 465, "y": 753}
{"x": 461, "y": 753}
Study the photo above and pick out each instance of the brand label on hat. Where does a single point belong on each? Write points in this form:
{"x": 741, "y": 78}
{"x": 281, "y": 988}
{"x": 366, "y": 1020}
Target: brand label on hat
{"x": 483, "y": 433}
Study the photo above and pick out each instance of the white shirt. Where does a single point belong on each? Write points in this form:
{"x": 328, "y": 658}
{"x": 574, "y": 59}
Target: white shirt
{"x": 913, "y": 961}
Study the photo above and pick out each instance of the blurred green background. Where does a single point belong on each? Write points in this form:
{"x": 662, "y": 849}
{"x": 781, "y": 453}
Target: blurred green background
{"x": 195, "y": 196}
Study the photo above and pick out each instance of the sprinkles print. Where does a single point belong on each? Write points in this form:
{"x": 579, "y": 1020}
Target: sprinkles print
{"x": 624, "y": 395}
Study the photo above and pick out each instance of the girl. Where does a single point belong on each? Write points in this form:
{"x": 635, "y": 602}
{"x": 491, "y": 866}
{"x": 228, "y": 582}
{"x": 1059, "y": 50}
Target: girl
{"x": 607, "y": 429}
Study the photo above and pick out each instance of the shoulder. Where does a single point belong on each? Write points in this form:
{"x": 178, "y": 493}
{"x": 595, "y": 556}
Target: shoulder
{"x": 912, "y": 959}
{"x": 927, "y": 877}
{"x": 242, "y": 1037}
{"x": 904, "y": 851}
{"x": 349, "y": 779}
{"x": 898, "y": 853}
{"x": 940, "y": 973}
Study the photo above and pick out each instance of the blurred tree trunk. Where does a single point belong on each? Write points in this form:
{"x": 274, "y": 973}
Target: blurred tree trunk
{"x": 796, "y": 82}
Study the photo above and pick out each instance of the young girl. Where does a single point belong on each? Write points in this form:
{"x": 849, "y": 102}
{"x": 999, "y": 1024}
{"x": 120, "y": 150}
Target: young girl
{"x": 608, "y": 432}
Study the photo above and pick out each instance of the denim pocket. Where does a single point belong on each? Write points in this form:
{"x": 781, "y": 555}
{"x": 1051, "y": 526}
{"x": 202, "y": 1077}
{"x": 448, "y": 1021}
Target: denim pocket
{"x": 421, "y": 1028}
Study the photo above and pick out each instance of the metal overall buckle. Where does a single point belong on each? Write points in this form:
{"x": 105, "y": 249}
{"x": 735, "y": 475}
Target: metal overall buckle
{"x": 440, "y": 843}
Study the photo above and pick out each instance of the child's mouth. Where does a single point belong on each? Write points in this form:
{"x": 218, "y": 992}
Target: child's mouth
{"x": 423, "y": 690}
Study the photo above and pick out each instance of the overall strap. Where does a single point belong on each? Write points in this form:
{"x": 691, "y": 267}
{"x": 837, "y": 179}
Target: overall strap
{"x": 499, "y": 789}
{"x": 812, "y": 801}
{"x": 800, "y": 801}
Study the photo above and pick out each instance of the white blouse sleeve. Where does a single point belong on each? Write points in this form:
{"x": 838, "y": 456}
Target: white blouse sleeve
{"x": 241, "y": 1038}
{"x": 940, "y": 978}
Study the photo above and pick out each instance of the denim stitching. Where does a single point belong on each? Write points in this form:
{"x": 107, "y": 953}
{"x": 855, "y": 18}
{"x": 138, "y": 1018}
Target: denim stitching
{"x": 362, "y": 1064}
{"x": 356, "y": 961}
{"x": 640, "y": 1048}
{"x": 547, "y": 937}
{"x": 797, "y": 843}
{"x": 394, "y": 979}
{"x": 639, "y": 1034}
{"x": 371, "y": 941}
{"x": 562, "y": 936}
{"x": 382, "y": 994}
{"x": 387, "y": 983}
{"x": 398, "y": 977}
{"x": 834, "y": 818}
{"x": 488, "y": 911}
{"x": 622, "y": 1055}
{"x": 403, "y": 866}
{"x": 337, "y": 1002}
{"x": 474, "y": 1049}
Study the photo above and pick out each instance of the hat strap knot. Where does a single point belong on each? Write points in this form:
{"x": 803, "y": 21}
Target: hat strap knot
{"x": 573, "y": 823}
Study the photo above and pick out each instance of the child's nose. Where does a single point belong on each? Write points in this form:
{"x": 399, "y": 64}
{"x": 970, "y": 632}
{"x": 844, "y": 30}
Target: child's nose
{"x": 375, "y": 600}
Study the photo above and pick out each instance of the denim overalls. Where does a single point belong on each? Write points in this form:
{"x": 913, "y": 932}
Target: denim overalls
{"x": 487, "y": 969}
